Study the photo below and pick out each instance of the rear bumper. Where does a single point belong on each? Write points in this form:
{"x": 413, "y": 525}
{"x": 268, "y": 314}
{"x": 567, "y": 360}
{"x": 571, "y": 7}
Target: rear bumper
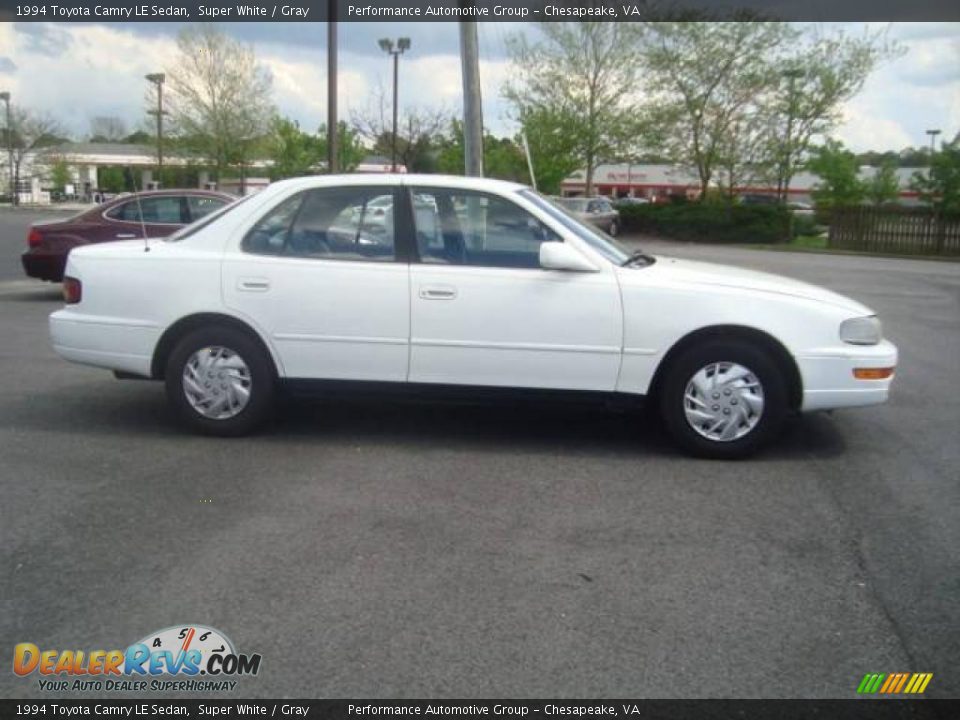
{"x": 43, "y": 266}
{"x": 113, "y": 343}
{"x": 829, "y": 382}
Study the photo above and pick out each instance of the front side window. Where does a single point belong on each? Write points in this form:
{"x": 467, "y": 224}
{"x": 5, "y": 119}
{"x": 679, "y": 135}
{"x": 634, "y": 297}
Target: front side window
{"x": 462, "y": 227}
{"x": 352, "y": 223}
{"x": 202, "y": 205}
{"x": 600, "y": 242}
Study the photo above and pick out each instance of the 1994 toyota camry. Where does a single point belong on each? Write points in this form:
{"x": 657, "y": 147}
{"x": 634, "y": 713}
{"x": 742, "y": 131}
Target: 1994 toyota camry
{"x": 441, "y": 282}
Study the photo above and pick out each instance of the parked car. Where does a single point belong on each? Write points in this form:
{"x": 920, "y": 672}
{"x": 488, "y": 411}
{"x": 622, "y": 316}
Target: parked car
{"x": 596, "y": 211}
{"x": 621, "y": 202}
{"x": 164, "y": 212}
{"x": 474, "y": 284}
{"x": 759, "y": 199}
{"x": 801, "y": 208}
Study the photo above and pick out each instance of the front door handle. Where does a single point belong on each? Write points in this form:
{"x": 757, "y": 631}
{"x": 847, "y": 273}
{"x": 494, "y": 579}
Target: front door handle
{"x": 126, "y": 236}
{"x": 253, "y": 284}
{"x": 438, "y": 292}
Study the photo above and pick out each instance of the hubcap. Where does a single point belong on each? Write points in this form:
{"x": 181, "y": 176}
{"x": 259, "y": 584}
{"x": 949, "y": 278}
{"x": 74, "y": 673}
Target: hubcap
{"x": 216, "y": 382}
{"x": 723, "y": 401}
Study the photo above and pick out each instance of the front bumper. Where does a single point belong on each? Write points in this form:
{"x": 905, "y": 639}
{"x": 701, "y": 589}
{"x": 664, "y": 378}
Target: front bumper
{"x": 829, "y": 382}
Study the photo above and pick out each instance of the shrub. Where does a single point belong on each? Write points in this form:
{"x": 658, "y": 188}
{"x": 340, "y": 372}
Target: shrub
{"x": 710, "y": 222}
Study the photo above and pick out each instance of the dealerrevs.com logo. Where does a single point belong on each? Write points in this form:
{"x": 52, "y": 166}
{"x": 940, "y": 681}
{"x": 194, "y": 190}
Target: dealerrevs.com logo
{"x": 183, "y": 657}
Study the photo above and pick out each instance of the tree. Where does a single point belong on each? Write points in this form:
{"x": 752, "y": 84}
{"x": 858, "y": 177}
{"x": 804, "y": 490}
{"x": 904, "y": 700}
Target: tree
{"x": 823, "y": 71}
{"x": 293, "y": 152}
{"x": 837, "y": 169}
{"x": 29, "y": 132}
{"x": 60, "y": 175}
{"x": 220, "y": 98}
{"x": 419, "y": 132}
{"x": 107, "y": 129}
{"x": 940, "y": 185}
{"x": 581, "y": 80}
{"x": 502, "y": 158}
{"x": 706, "y": 83}
{"x": 883, "y": 187}
{"x": 350, "y": 148}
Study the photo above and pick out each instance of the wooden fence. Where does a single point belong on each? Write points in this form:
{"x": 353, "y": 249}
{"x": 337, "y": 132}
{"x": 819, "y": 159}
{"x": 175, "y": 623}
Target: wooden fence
{"x": 894, "y": 230}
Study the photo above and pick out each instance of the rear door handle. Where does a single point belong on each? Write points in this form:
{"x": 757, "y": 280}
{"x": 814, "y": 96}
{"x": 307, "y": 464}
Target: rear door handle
{"x": 126, "y": 236}
{"x": 253, "y": 284}
{"x": 438, "y": 292}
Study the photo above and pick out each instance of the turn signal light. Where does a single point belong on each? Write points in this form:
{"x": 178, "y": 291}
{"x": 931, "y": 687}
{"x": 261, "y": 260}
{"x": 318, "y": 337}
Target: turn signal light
{"x": 873, "y": 373}
{"x": 72, "y": 290}
{"x": 34, "y": 238}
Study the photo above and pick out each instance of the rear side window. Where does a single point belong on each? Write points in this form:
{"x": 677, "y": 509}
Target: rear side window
{"x": 167, "y": 210}
{"x": 352, "y": 223}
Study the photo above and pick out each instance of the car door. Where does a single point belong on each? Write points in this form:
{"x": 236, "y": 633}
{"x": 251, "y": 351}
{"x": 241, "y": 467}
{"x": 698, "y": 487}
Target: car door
{"x": 483, "y": 311}
{"x": 325, "y": 284}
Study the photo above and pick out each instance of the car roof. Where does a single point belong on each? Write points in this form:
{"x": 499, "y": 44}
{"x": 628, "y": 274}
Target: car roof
{"x": 356, "y": 179}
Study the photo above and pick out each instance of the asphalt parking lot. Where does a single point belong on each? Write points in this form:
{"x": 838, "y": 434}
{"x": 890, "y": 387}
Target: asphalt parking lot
{"x": 388, "y": 550}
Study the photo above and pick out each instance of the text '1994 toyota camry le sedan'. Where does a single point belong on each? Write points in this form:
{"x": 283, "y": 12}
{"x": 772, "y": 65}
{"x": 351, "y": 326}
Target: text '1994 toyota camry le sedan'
{"x": 431, "y": 282}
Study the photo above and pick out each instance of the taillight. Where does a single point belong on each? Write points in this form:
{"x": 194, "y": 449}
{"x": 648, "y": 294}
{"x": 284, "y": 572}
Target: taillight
{"x": 72, "y": 290}
{"x": 34, "y": 238}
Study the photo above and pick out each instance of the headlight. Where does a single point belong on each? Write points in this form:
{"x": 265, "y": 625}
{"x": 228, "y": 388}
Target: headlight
{"x": 861, "y": 330}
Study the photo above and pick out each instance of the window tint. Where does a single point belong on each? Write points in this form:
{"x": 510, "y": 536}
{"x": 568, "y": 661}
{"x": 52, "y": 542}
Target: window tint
{"x": 202, "y": 205}
{"x": 461, "y": 227}
{"x": 329, "y": 223}
{"x": 165, "y": 210}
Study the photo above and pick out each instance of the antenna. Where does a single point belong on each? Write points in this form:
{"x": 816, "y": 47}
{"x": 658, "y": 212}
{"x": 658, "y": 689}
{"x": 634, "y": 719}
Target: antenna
{"x": 143, "y": 226}
{"x": 526, "y": 151}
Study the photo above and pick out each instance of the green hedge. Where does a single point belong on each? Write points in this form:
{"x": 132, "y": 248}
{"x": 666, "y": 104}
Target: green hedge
{"x": 710, "y": 222}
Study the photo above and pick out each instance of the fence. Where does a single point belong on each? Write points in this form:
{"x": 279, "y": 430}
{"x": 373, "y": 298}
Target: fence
{"x": 898, "y": 231}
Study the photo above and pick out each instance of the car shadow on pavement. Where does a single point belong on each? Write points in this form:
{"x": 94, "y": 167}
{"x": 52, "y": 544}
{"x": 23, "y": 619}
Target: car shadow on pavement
{"x": 139, "y": 409}
{"x": 40, "y": 294}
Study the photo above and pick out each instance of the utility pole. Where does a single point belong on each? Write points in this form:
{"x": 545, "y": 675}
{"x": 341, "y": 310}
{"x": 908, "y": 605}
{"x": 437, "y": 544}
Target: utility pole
{"x": 5, "y": 96}
{"x": 333, "y": 129}
{"x": 158, "y": 80}
{"x": 403, "y": 44}
{"x": 472, "y": 108}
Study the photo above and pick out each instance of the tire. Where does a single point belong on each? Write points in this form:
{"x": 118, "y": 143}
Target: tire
{"x": 754, "y": 404}
{"x": 244, "y": 372}
{"x": 612, "y": 232}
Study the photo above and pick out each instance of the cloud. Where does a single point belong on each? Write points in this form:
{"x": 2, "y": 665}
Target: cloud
{"x": 7, "y": 65}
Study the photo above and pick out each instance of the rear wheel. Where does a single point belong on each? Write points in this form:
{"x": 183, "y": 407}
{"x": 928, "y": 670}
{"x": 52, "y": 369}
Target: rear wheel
{"x": 219, "y": 381}
{"x": 723, "y": 399}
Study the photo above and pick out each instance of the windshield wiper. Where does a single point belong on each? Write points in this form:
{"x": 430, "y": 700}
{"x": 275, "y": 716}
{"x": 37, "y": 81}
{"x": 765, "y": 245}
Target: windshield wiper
{"x": 637, "y": 256}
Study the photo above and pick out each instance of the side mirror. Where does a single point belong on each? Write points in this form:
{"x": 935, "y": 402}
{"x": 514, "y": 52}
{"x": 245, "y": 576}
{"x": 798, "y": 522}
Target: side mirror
{"x": 560, "y": 256}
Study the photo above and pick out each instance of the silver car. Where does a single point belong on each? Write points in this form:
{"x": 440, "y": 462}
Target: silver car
{"x": 597, "y": 211}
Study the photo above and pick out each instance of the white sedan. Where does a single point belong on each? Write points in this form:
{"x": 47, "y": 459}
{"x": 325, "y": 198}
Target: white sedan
{"x": 473, "y": 283}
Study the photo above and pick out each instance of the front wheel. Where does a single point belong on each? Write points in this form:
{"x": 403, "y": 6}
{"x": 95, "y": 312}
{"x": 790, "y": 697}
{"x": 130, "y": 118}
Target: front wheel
{"x": 723, "y": 399}
{"x": 612, "y": 232}
{"x": 220, "y": 382}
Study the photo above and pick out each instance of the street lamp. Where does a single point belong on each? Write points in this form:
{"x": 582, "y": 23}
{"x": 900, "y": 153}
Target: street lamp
{"x": 792, "y": 74}
{"x": 933, "y": 138}
{"x": 387, "y": 45}
{"x": 5, "y": 96}
{"x": 158, "y": 79}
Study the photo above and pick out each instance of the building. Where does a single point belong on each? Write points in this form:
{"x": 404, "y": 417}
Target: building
{"x": 659, "y": 183}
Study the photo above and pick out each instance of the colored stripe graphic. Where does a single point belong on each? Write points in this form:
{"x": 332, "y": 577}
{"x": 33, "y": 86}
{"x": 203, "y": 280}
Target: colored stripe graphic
{"x": 894, "y": 683}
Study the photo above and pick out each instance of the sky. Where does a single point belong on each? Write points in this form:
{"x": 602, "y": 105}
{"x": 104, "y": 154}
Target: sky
{"x": 78, "y": 71}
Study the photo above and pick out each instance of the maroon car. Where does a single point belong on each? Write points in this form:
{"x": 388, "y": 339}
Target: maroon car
{"x": 164, "y": 211}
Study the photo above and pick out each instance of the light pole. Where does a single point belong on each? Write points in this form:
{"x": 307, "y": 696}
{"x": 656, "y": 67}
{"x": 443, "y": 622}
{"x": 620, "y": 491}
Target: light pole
{"x": 933, "y": 139}
{"x": 397, "y": 50}
{"x": 792, "y": 74}
{"x": 158, "y": 79}
{"x": 5, "y": 96}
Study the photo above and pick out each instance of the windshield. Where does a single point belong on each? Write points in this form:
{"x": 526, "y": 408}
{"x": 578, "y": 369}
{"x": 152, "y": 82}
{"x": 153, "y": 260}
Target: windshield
{"x": 190, "y": 229}
{"x": 598, "y": 240}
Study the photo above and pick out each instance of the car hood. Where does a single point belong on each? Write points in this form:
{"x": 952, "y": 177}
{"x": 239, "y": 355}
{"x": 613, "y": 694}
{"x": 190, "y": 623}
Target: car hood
{"x": 699, "y": 273}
